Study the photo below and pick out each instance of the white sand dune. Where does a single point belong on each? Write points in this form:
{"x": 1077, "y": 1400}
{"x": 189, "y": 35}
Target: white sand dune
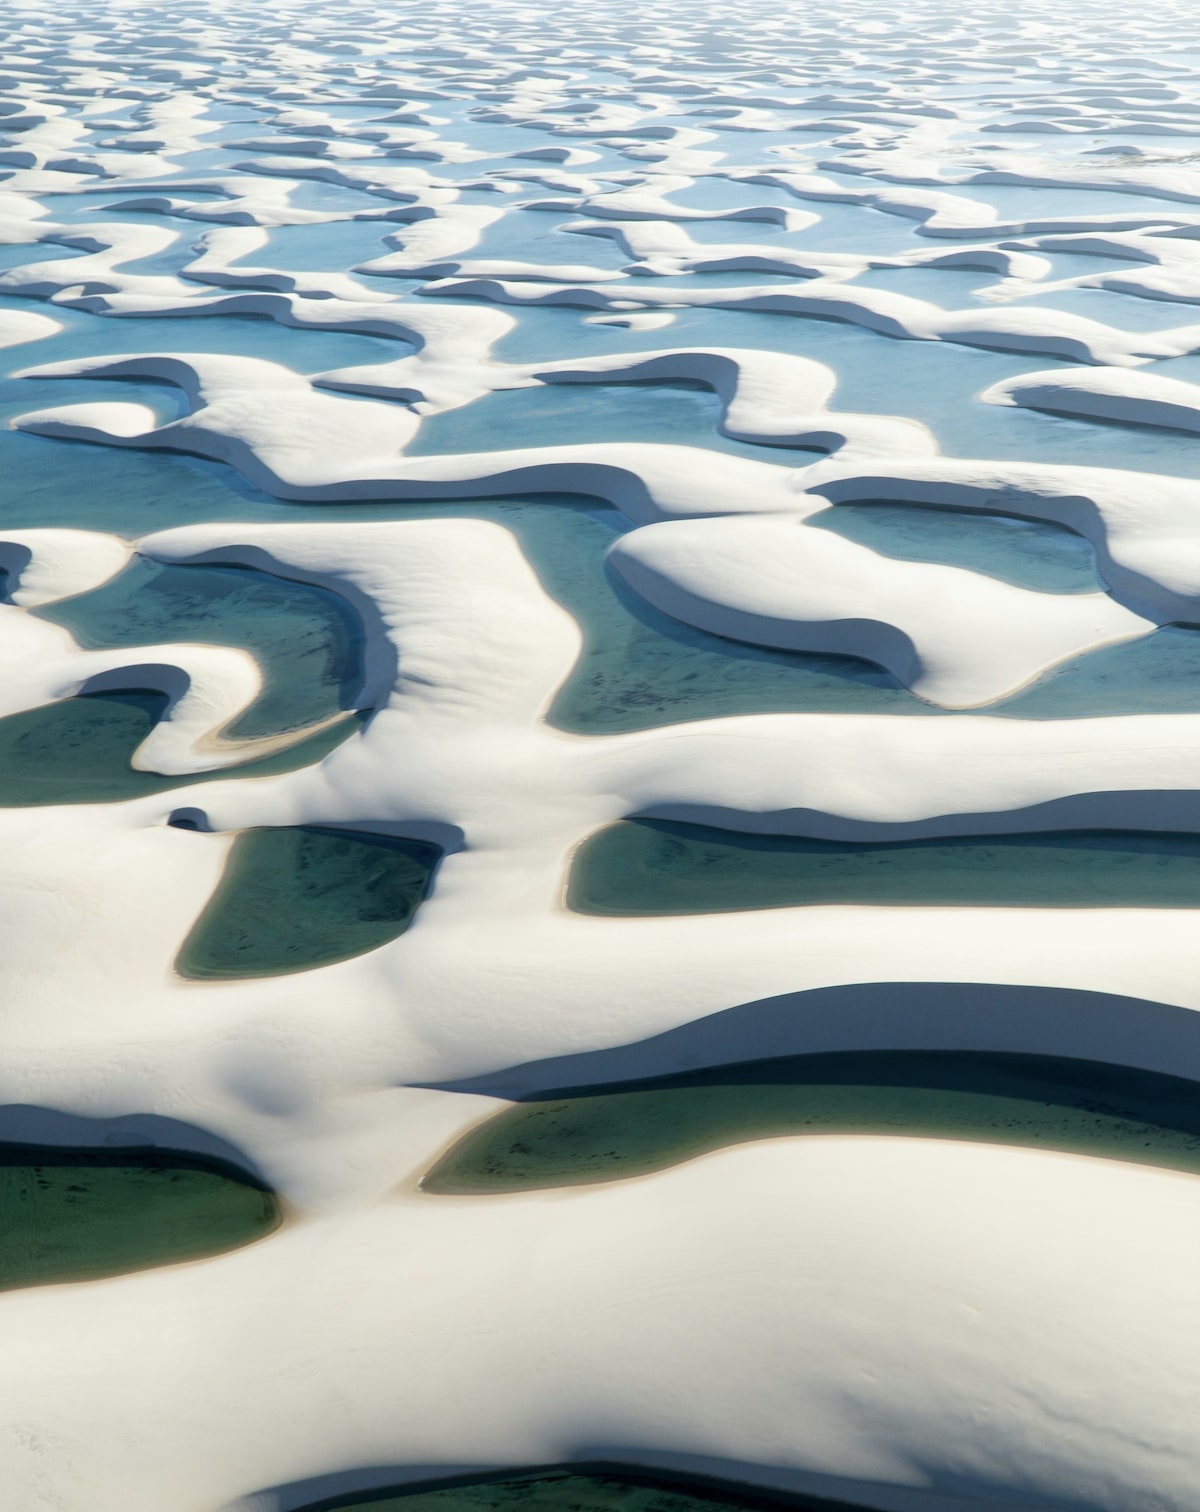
{"x": 854, "y": 1408}
{"x": 1128, "y": 398}
{"x": 672, "y": 280}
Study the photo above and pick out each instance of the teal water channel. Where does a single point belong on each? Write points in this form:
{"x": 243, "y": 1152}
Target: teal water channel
{"x": 1158, "y": 674}
{"x": 292, "y": 899}
{"x": 1025, "y": 553}
{"x": 655, "y": 866}
{"x": 617, "y": 1130}
{"x": 307, "y": 641}
{"x": 639, "y": 668}
{"x": 80, "y": 750}
{"x": 77, "y": 1215}
{"x": 682, "y": 412}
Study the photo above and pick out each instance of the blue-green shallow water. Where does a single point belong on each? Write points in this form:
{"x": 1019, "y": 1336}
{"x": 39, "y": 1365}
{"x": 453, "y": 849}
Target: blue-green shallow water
{"x": 578, "y": 1488}
{"x": 639, "y": 668}
{"x": 958, "y": 289}
{"x": 678, "y": 413}
{"x": 78, "y": 750}
{"x": 307, "y": 641}
{"x": 1027, "y": 553}
{"x": 302, "y": 349}
{"x": 318, "y": 248}
{"x": 537, "y": 236}
{"x": 291, "y": 899}
{"x": 605, "y": 1133}
{"x": 941, "y": 381}
{"x": 655, "y": 866}
{"x": 76, "y": 1215}
{"x": 1158, "y": 674}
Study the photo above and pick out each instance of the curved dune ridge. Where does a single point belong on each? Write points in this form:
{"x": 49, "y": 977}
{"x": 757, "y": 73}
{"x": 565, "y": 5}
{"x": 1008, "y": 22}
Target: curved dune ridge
{"x": 591, "y": 593}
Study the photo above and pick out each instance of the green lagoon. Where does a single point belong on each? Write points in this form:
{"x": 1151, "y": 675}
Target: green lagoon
{"x": 655, "y": 866}
{"x": 291, "y": 899}
{"x": 616, "y": 1130}
{"x": 77, "y": 1215}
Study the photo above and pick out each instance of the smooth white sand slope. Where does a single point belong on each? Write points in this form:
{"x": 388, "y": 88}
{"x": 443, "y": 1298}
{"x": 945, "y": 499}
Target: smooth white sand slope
{"x": 571, "y": 1347}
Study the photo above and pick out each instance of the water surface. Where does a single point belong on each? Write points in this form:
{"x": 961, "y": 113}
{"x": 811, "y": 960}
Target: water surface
{"x": 656, "y": 866}
{"x": 680, "y": 412}
{"x": 607, "y": 1132}
{"x": 292, "y": 899}
{"x": 307, "y": 641}
{"x": 1026, "y": 553}
{"x": 80, "y": 750}
{"x": 76, "y": 1215}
